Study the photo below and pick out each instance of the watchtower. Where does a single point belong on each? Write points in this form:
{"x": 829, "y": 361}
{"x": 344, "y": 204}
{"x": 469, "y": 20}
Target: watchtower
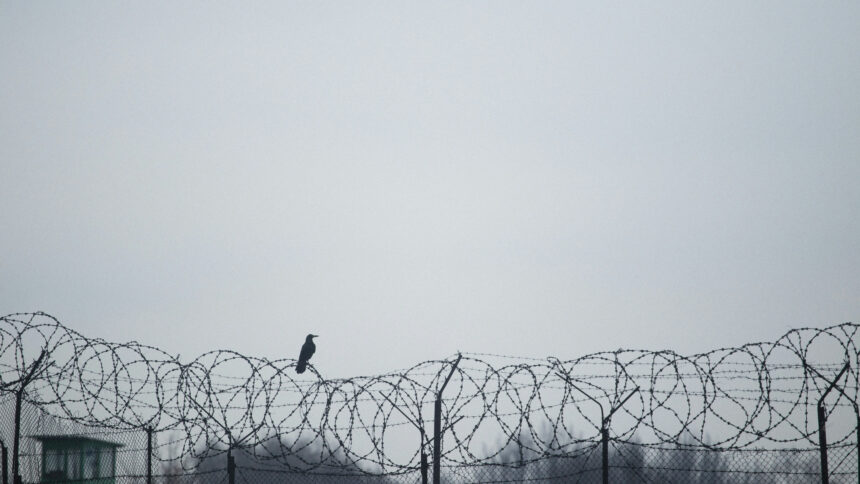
{"x": 74, "y": 457}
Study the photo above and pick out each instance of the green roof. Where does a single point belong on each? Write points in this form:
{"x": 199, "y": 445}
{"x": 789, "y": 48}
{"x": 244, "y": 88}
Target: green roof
{"x": 70, "y": 439}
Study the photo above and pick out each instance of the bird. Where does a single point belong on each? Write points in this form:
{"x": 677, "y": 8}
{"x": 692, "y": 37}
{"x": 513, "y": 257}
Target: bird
{"x": 308, "y": 350}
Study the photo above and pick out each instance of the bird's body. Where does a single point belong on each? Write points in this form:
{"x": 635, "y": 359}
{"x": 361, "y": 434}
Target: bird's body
{"x": 308, "y": 350}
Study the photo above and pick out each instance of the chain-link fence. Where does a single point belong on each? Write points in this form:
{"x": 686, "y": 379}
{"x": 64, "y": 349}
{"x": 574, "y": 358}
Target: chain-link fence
{"x": 54, "y": 450}
{"x": 634, "y": 463}
{"x": 78, "y": 409}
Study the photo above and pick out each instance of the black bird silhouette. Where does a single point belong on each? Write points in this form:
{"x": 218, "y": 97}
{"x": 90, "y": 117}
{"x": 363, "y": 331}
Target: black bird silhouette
{"x": 308, "y": 350}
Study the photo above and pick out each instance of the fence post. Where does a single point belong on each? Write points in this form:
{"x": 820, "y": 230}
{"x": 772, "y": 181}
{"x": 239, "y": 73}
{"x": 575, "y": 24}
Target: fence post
{"x": 822, "y": 443}
{"x": 5, "y": 463}
{"x": 822, "y": 423}
{"x": 605, "y": 440}
{"x": 149, "y": 455}
{"x": 231, "y": 467}
{"x": 17, "y": 437}
{"x": 424, "y": 464}
{"x": 857, "y": 438}
{"x": 437, "y": 444}
{"x": 437, "y": 426}
{"x": 19, "y": 396}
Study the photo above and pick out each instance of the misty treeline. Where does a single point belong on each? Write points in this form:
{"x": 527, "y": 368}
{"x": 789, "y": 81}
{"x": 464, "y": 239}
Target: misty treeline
{"x": 632, "y": 462}
{"x": 323, "y": 466}
{"x": 629, "y": 462}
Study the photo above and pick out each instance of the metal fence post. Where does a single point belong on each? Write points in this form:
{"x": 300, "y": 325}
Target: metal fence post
{"x": 822, "y": 444}
{"x": 424, "y": 465}
{"x": 149, "y": 455}
{"x": 437, "y": 426}
{"x": 437, "y": 441}
{"x": 231, "y": 467}
{"x": 605, "y": 440}
{"x": 857, "y": 437}
{"x": 19, "y": 396}
{"x": 5, "y": 463}
{"x": 822, "y": 424}
{"x": 17, "y": 437}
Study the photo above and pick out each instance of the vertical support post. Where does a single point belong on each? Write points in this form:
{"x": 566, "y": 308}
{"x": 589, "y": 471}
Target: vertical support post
{"x": 19, "y": 396}
{"x": 424, "y": 464}
{"x": 437, "y": 426}
{"x": 605, "y": 439}
{"x": 822, "y": 444}
{"x": 231, "y": 467}
{"x": 857, "y": 413}
{"x": 5, "y": 463}
{"x": 17, "y": 437}
{"x": 437, "y": 439}
{"x": 822, "y": 423}
{"x": 149, "y": 455}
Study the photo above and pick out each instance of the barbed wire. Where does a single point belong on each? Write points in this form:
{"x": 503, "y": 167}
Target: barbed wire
{"x": 760, "y": 395}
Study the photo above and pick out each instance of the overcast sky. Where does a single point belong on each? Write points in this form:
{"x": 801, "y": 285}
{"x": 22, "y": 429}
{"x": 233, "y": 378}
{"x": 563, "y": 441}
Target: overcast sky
{"x": 412, "y": 179}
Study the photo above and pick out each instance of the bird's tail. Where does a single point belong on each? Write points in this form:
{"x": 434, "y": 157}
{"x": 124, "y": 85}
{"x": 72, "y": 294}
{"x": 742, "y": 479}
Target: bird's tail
{"x": 301, "y": 366}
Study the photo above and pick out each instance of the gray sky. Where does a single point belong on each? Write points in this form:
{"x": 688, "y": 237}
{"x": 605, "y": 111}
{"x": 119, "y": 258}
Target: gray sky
{"x": 410, "y": 179}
